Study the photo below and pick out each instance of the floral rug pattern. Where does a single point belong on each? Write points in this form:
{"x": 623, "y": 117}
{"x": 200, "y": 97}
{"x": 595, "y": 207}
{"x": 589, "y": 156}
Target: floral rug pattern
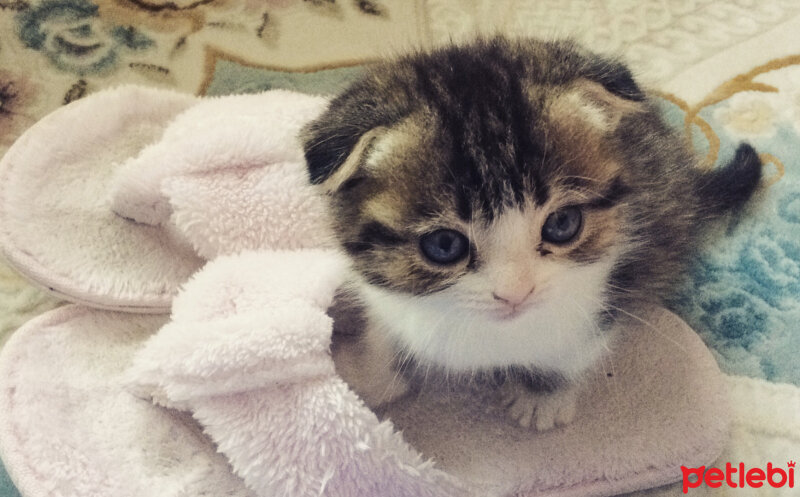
{"x": 55, "y": 51}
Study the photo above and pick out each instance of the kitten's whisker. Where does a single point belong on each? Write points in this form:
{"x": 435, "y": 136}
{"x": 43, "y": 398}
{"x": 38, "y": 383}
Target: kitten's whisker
{"x": 613, "y": 384}
{"x": 646, "y": 323}
{"x": 472, "y": 231}
{"x": 399, "y": 359}
{"x": 452, "y": 315}
{"x": 333, "y": 136}
{"x": 584, "y": 178}
{"x": 546, "y": 145}
{"x": 570, "y": 160}
{"x": 606, "y": 359}
{"x": 428, "y": 366}
{"x": 619, "y": 288}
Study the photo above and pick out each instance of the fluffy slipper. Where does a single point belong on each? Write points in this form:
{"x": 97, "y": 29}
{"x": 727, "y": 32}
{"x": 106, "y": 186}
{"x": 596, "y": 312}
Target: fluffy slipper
{"x": 246, "y": 354}
{"x": 56, "y": 225}
{"x": 116, "y": 199}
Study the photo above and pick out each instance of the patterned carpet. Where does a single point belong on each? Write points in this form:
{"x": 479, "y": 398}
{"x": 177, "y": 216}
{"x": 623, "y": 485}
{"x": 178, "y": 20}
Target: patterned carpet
{"x": 55, "y": 51}
{"x": 727, "y": 71}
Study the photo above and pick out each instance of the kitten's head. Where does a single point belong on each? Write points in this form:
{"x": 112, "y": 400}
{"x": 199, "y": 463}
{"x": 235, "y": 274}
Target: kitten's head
{"x": 484, "y": 196}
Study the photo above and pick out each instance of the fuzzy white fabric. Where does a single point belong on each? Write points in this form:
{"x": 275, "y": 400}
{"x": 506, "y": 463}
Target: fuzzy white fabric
{"x": 226, "y": 170}
{"x": 56, "y": 225}
{"x": 179, "y": 180}
{"x": 247, "y": 352}
{"x": 70, "y": 427}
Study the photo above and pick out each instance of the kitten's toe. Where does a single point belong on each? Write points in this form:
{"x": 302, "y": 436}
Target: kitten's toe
{"x": 543, "y": 411}
{"x": 567, "y": 413}
{"x": 520, "y": 402}
{"x": 556, "y": 409}
{"x": 522, "y": 411}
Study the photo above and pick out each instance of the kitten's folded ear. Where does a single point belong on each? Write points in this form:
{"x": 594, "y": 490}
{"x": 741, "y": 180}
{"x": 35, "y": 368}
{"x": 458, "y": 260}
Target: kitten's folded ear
{"x": 331, "y": 139}
{"x": 589, "y": 105}
{"x": 602, "y": 94}
{"x": 354, "y": 168}
{"x": 616, "y": 78}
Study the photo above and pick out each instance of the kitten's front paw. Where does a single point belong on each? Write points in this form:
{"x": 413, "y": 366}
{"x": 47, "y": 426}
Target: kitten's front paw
{"x": 541, "y": 410}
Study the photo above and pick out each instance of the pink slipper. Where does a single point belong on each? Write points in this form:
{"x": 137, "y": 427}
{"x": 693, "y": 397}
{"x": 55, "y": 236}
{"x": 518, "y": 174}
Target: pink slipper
{"x": 115, "y": 200}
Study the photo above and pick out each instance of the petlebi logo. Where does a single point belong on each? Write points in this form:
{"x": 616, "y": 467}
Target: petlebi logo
{"x": 739, "y": 476}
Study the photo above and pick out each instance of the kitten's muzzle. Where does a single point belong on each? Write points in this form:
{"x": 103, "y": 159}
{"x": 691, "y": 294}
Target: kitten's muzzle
{"x": 513, "y": 298}
{"x": 514, "y": 303}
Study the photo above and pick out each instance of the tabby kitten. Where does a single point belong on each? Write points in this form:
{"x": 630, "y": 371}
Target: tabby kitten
{"x": 503, "y": 204}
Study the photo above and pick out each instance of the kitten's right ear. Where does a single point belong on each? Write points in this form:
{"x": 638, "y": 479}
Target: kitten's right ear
{"x": 354, "y": 168}
{"x": 329, "y": 141}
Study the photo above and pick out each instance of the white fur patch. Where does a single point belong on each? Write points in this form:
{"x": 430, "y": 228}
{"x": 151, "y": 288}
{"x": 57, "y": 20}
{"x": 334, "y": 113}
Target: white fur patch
{"x": 590, "y": 112}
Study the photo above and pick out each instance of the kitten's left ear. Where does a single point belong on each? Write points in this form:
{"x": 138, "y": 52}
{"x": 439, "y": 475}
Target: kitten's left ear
{"x": 601, "y": 96}
{"x": 591, "y": 103}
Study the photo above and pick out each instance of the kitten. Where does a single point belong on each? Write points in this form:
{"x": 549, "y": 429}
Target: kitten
{"x": 503, "y": 203}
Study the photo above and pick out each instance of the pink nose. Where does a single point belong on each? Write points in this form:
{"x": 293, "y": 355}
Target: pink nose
{"x": 512, "y": 297}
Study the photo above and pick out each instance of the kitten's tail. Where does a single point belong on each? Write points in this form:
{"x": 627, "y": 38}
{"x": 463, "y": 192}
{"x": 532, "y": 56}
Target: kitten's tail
{"x": 728, "y": 188}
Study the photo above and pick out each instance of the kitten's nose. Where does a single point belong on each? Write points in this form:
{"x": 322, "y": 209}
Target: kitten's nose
{"x": 513, "y": 296}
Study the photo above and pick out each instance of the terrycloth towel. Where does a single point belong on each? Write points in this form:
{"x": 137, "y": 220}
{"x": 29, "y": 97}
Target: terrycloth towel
{"x": 246, "y": 351}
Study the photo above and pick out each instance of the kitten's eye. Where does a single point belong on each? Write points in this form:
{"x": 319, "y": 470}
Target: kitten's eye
{"x": 562, "y": 225}
{"x": 444, "y": 246}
